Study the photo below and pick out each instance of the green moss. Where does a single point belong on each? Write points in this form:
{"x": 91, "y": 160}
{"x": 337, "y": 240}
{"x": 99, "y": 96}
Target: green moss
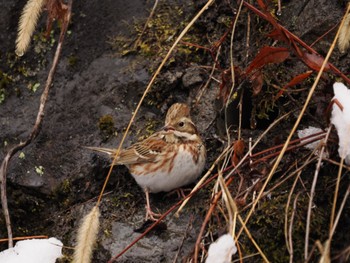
{"x": 267, "y": 227}
{"x": 66, "y": 186}
{"x": 148, "y": 130}
{"x": 72, "y": 60}
{"x": 107, "y": 126}
{"x": 160, "y": 33}
{"x": 5, "y": 80}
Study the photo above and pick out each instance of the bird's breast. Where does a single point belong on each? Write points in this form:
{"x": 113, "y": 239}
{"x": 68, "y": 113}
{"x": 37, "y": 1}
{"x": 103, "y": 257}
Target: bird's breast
{"x": 172, "y": 170}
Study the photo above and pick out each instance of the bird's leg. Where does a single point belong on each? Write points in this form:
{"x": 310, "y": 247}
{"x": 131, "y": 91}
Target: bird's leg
{"x": 180, "y": 192}
{"x": 149, "y": 213}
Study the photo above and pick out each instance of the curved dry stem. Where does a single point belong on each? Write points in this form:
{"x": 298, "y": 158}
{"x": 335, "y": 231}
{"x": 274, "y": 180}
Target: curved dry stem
{"x": 346, "y": 196}
{"x": 290, "y": 239}
{"x": 146, "y": 24}
{"x": 232, "y": 75}
{"x": 233, "y": 214}
{"x": 36, "y": 128}
{"x": 312, "y": 193}
{"x": 287, "y": 236}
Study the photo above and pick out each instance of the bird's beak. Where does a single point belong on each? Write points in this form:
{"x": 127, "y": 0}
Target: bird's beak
{"x": 168, "y": 128}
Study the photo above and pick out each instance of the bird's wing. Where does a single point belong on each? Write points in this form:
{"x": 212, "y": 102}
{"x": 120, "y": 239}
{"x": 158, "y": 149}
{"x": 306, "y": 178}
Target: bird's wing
{"x": 148, "y": 150}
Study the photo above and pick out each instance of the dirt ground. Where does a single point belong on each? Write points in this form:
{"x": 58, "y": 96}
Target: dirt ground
{"x": 54, "y": 181}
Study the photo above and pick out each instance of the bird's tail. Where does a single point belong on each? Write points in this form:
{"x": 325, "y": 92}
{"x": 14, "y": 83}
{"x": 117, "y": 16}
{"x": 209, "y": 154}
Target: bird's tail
{"x": 110, "y": 152}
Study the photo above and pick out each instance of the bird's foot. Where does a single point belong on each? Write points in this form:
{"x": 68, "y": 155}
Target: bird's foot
{"x": 151, "y": 215}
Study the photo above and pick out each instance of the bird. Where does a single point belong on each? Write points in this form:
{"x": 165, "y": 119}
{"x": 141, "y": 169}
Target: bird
{"x": 170, "y": 158}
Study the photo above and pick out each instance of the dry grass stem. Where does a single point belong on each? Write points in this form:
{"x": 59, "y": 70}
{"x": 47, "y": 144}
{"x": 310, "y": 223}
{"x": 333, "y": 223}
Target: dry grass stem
{"x": 230, "y": 205}
{"x": 346, "y": 196}
{"x": 290, "y": 231}
{"x": 336, "y": 191}
{"x": 87, "y": 235}
{"x": 312, "y": 193}
{"x": 256, "y": 143}
{"x": 137, "y": 42}
{"x": 325, "y": 252}
{"x": 233, "y": 74}
{"x": 27, "y": 24}
{"x": 336, "y": 163}
{"x": 210, "y": 78}
{"x": 287, "y": 235}
{"x": 251, "y": 239}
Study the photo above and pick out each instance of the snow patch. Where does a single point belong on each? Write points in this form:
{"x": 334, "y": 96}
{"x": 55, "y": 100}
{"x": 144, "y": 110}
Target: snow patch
{"x": 341, "y": 119}
{"x": 221, "y": 250}
{"x": 33, "y": 251}
{"x": 313, "y": 145}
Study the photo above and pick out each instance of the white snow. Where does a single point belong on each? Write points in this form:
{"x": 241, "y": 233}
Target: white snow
{"x": 33, "y": 251}
{"x": 341, "y": 119}
{"x": 307, "y": 132}
{"x": 221, "y": 250}
{"x": 311, "y": 146}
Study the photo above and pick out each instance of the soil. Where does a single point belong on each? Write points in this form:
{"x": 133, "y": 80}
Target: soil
{"x": 54, "y": 181}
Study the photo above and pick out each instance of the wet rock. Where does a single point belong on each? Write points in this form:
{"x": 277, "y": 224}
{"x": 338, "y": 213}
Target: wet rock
{"x": 172, "y": 77}
{"x": 162, "y": 246}
{"x": 312, "y": 18}
{"x": 192, "y": 77}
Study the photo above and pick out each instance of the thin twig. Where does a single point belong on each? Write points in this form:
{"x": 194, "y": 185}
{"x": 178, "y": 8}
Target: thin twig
{"x": 232, "y": 71}
{"x": 286, "y": 235}
{"x": 336, "y": 221}
{"x": 206, "y": 85}
{"x": 334, "y": 205}
{"x": 290, "y": 231}
{"x": 24, "y": 238}
{"x": 36, "y": 128}
{"x": 335, "y": 163}
{"x": 312, "y": 194}
{"x": 188, "y": 228}
{"x": 247, "y": 45}
{"x": 146, "y": 24}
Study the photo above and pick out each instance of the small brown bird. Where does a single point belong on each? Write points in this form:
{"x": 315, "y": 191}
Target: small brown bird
{"x": 170, "y": 158}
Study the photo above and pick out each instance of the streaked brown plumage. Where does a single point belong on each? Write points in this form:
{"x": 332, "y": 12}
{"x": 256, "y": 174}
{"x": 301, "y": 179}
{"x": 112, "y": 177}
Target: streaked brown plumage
{"x": 170, "y": 158}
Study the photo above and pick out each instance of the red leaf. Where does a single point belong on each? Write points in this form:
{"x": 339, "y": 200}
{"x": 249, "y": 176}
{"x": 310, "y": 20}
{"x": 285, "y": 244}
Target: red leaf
{"x": 268, "y": 55}
{"x": 296, "y": 80}
{"x": 257, "y": 82}
{"x": 238, "y": 153}
{"x": 239, "y": 147}
{"x": 314, "y": 61}
{"x": 276, "y": 34}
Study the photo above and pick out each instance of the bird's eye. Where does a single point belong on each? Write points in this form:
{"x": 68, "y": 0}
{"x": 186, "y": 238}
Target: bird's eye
{"x": 181, "y": 124}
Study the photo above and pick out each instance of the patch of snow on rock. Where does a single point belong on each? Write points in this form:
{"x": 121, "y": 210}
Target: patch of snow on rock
{"x": 33, "y": 251}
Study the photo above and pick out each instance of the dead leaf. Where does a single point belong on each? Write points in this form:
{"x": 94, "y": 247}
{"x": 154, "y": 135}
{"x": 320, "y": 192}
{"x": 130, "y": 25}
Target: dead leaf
{"x": 238, "y": 153}
{"x": 257, "y": 80}
{"x": 296, "y": 80}
{"x": 314, "y": 61}
{"x": 268, "y": 55}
